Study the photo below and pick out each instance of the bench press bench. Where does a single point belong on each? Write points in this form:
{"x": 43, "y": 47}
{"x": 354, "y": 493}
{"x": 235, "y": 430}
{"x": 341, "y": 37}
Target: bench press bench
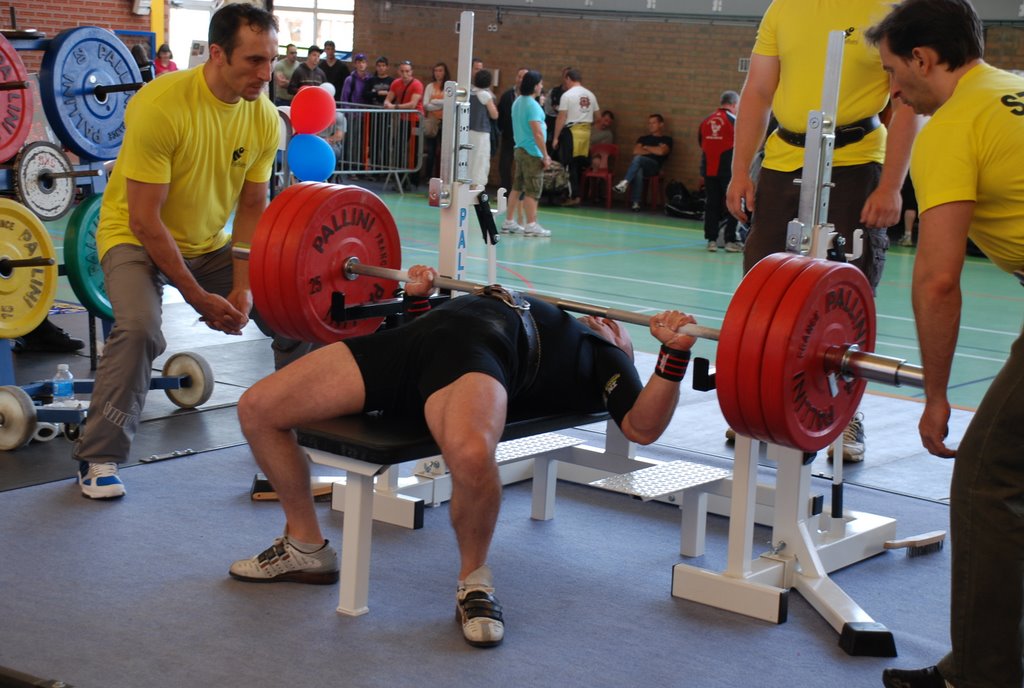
{"x": 366, "y": 445}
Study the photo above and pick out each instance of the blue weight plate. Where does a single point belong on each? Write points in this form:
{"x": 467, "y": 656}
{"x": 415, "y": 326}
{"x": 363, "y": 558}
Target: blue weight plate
{"x": 75, "y": 63}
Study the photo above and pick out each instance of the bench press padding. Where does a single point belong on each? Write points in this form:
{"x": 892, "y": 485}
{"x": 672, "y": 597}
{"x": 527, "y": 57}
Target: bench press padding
{"x": 374, "y": 438}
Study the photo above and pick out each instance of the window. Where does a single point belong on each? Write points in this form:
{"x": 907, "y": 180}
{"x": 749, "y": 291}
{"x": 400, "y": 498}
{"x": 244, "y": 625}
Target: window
{"x": 305, "y": 22}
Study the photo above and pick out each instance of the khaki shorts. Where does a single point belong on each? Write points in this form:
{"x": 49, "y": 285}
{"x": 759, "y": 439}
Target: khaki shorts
{"x": 529, "y": 177}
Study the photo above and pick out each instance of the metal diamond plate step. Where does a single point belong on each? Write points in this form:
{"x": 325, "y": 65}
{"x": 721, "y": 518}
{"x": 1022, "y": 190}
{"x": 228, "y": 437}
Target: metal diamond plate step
{"x": 663, "y": 479}
{"x": 533, "y": 445}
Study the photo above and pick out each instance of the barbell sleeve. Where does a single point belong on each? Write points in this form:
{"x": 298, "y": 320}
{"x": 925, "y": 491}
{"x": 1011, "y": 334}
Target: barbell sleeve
{"x": 13, "y": 85}
{"x": 104, "y": 89}
{"x": 73, "y": 175}
{"x": 8, "y": 264}
{"x": 848, "y": 359}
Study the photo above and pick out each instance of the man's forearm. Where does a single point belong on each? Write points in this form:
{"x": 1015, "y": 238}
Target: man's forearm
{"x": 903, "y": 127}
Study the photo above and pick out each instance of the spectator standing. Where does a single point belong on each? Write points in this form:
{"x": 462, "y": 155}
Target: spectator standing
{"x": 482, "y": 111}
{"x": 353, "y": 92}
{"x": 508, "y": 142}
{"x": 335, "y": 71}
{"x": 307, "y": 73}
{"x": 531, "y": 157}
{"x": 378, "y": 85}
{"x": 433, "y": 108}
{"x": 716, "y": 137}
{"x": 283, "y": 70}
{"x": 406, "y": 93}
{"x": 576, "y": 110}
{"x": 649, "y": 153}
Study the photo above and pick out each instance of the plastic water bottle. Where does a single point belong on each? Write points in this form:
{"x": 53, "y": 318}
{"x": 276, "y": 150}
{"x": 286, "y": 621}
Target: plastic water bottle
{"x": 63, "y": 386}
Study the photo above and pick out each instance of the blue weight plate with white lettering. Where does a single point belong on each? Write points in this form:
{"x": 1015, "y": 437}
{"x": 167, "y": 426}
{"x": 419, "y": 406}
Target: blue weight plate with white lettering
{"x": 77, "y": 61}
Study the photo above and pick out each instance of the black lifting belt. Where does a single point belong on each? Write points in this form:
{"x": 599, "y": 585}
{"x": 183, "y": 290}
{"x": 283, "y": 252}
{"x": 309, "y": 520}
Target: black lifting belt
{"x": 517, "y": 301}
{"x": 845, "y": 135}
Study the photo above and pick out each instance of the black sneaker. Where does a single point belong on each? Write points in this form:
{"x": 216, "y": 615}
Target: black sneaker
{"x": 913, "y": 678}
{"x": 48, "y": 338}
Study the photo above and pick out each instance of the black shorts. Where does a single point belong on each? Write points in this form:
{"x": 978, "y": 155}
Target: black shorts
{"x": 402, "y": 367}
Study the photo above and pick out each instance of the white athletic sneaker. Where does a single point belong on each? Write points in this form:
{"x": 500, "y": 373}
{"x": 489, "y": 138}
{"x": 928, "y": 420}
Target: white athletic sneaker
{"x": 283, "y": 562}
{"x": 734, "y": 247}
{"x": 511, "y": 227}
{"x": 853, "y": 440}
{"x": 477, "y": 611}
{"x": 621, "y": 186}
{"x": 712, "y": 246}
{"x": 99, "y": 480}
{"x": 534, "y": 229}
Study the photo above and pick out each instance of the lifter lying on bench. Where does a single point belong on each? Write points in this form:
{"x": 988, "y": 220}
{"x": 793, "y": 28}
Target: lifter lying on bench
{"x": 463, "y": 367}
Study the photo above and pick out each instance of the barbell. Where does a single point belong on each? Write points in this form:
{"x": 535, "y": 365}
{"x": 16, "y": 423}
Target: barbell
{"x": 794, "y": 350}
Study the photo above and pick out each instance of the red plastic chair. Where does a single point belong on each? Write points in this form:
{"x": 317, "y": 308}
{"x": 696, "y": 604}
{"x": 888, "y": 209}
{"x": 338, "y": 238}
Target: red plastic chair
{"x": 602, "y": 165}
{"x": 653, "y": 191}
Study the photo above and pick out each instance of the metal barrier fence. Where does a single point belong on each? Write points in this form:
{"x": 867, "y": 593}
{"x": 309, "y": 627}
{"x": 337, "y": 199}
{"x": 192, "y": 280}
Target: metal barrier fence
{"x": 378, "y": 143}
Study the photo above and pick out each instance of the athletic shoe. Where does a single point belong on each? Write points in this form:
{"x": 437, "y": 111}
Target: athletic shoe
{"x": 534, "y": 229}
{"x": 283, "y": 562}
{"x": 99, "y": 480}
{"x": 734, "y": 247}
{"x": 48, "y": 338}
{"x": 853, "y": 440}
{"x": 511, "y": 227}
{"x": 621, "y": 186}
{"x": 913, "y": 678}
{"x": 477, "y": 611}
{"x": 730, "y": 435}
{"x": 907, "y": 240}
{"x": 712, "y": 246}
{"x": 636, "y": 207}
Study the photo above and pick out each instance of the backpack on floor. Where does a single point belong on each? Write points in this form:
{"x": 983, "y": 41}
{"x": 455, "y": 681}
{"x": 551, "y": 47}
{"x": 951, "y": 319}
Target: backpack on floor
{"x": 680, "y": 202}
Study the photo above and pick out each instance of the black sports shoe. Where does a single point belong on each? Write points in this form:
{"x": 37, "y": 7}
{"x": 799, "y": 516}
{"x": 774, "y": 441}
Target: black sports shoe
{"x": 913, "y": 678}
{"x": 48, "y": 338}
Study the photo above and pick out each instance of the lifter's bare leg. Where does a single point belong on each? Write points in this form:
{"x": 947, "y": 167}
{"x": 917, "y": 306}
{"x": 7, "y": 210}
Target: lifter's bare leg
{"x": 323, "y": 384}
{"x": 466, "y": 419}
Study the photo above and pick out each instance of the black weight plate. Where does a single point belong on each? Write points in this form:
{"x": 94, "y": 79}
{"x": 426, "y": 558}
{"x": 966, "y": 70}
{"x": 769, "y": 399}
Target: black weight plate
{"x": 76, "y": 62}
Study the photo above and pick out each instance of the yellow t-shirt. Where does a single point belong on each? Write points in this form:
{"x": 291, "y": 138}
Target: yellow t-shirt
{"x": 796, "y": 32}
{"x": 971, "y": 150}
{"x": 178, "y": 133}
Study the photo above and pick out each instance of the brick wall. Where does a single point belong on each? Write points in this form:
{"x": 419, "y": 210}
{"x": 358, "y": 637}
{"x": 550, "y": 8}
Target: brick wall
{"x": 634, "y": 67}
{"x": 51, "y": 18}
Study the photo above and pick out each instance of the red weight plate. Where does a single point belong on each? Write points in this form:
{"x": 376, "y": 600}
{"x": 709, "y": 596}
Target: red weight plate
{"x": 351, "y": 223}
{"x": 753, "y": 344}
{"x": 287, "y": 226}
{"x": 829, "y": 304}
{"x": 290, "y": 228}
{"x": 263, "y": 256}
{"x": 729, "y": 357}
{"x": 17, "y": 107}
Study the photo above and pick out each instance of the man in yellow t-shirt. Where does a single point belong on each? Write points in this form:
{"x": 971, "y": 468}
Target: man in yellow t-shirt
{"x": 787, "y": 72}
{"x": 970, "y": 183}
{"x": 198, "y": 145}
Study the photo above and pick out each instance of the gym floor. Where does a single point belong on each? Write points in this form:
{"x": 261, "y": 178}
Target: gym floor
{"x": 647, "y": 262}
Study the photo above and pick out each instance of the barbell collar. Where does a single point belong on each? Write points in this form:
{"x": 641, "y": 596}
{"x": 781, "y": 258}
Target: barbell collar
{"x": 849, "y": 360}
{"x": 103, "y": 89}
{"x": 353, "y": 269}
{"x": 13, "y": 85}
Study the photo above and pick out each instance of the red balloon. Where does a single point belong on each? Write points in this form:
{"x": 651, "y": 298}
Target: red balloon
{"x": 312, "y": 110}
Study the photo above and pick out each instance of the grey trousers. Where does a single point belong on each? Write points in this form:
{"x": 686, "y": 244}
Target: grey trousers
{"x": 987, "y": 535}
{"x": 135, "y": 287}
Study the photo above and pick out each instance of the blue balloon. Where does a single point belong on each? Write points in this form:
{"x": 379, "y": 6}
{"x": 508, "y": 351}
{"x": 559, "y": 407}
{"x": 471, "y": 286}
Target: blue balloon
{"x": 310, "y": 158}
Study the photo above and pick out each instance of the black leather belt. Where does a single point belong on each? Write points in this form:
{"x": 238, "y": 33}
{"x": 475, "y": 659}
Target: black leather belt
{"x": 518, "y": 302}
{"x": 845, "y": 135}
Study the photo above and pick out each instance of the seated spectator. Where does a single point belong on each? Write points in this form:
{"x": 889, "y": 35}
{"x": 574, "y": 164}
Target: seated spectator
{"x": 649, "y": 154}
{"x": 142, "y": 60}
{"x": 164, "y": 61}
{"x": 601, "y": 131}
